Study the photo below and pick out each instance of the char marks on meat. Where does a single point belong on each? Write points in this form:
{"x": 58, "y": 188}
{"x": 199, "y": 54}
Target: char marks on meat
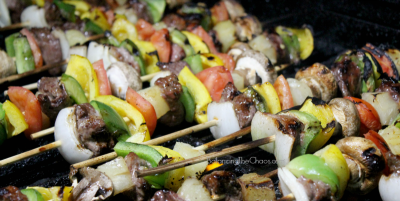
{"x": 12, "y": 193}
{"x": 164, "y": 195}
{"x": 223, "y": 182}
{"x": 16, "y": 7}
{"x": 50, "y": 47}
{"x": 177, "y": 53}
{"x": 393, "y": 162}
{"x": 91, "y": 129}
{"x": 244, "y": 109}
{"x": 123, "y": 55}
{"x": 174, "y": 21}
{"x": 392, "y": 86}
{"x": 94, "y": 185}
{"x": 52, "y": 97}
{"x": 141, "y": 10}
{"x": 173, "y": 67}
{"x": 171, "y": 91}
{"x": 348, "y": 76}
{"x": 229, "y": 93}
{"x": 52, "y": 14}
{"x": 141, "y": 189}
{"x": 316, "y": 190}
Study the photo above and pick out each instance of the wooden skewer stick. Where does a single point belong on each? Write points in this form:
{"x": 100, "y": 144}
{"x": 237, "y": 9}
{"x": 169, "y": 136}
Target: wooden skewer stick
{"x": 289, "y": 197}
{"x": 224, "y": 139}
{"x": 159, "y": 140}
{"x": 199, "y": 159}
{"x": 15, "y": 26}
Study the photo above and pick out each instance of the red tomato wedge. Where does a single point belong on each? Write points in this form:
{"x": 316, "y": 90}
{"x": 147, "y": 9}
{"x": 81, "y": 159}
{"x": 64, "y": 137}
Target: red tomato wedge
{"x": 37, "y": 53}
{"x": 161, "y": 42}
{"x": 383, "y": 59}
{"x": 104, "y": 84}
{"x": 283, "y": 90}
{"x": 145, "y": 29}
{"x": 215, "y": 80}
{"x": 368, "y": 116}
{"x": 219, "y": 12}
{"x": 229, "y": 63}
{"x": 198, "y": 30}
{"x": 29, "y": 105}
{"x": 382, "y": 145}
{"x": 144, "y": 107}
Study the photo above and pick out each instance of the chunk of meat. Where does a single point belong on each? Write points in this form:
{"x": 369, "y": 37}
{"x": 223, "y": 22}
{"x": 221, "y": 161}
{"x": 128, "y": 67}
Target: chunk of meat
{"x": 174, "y": 21}
{"x": 141, "y": 189}
{"x": 95, "y": 185}
{"x": 348, "y": 76}
{"x": 393, "y": 162}
{"x": 177, "y": 53}
{"x": 141, "y": 10}
{"x": 171, "y": 91}
{"x": 123, "y": 55}
{"x": 91, "y": 130}
{"x": 229, "y": 93}
{"x": 316, "y": 190}
{"x": 173, "y": 67}
{"x": 78, "y": 25}
{"x": 165, "y": 195}
{"x": 392, "y": 86}
{"x": 12, "y": 193}
{"x": 223, "y": 182}
{"x": 52, "y": 97}
{"x": 244, "y": 109}
{"x": 52, "y": 14}
{"x": 16, "y": 8}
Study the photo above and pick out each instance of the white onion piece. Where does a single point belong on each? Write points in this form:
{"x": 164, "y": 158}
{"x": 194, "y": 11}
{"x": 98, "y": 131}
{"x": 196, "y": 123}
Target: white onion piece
{"x": 95, "y": 52}
{"x": 35, "y": 16}
{"x": 75, "y": 37}
{"x": 153, "y": 95}
{"x": 5, "y": 19}
{"x": 262, "y": 44}
{"x": 63, "y": 42}
{"x": 107, "y": 58}
{"x": 226, "y": 116}
{"x": 263, "y": 126}
{"x": 389, "y": 187}
{"x": 283, "y": 148}
{"x": 238, "y": 81}
{"x": 289, "y": 184}
{"x": 384, "y": 105}
{"x": 76, "y": 50}
{"x": 118, "y": 82}
{"x": 65, "y": 131}
{"x": 160, "y": 74}
{"x": 300, "y": 91}
{"x": 129, "y": 13}
{"x": 118, "y": 172}
{"x": 194, "y": 190}
{"x": 391, "y": 134}
{"x": 187, "y": 151}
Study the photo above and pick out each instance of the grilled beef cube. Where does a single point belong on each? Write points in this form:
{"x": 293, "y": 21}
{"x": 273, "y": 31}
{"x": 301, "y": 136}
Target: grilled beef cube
{"x": 174, "y": 21}
{"x": 121, "y": 54}
{"x": 316, "y": 190}
{"x": 229, "y": 93}
{"x": 177, "y": 53}
{"x": 392, "y": 86}
{"x": 12, "y": 193}
{"x": 257, "y": 187}
{"x": 173, "y": 67}
{"x": 244, "y": 109}
{"x": 223, "y": 183}
{"x": 141, "y": 187}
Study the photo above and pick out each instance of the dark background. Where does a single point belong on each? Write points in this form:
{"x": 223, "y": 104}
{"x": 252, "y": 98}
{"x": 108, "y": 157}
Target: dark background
{"x": 337, "y": 25}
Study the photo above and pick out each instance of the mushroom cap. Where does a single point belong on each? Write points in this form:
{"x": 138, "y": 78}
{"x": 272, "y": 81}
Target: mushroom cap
{"x": 237, "y": 49}
{"x": 247, "y": 27}
{"x": 257, "y": 61}
{"x": 93, "y": 183}
{"x": 365, "y": 162}
{"x": 320, "y": 79}
{"x": 234, "y": 8}
{"x": 346, "y": 114}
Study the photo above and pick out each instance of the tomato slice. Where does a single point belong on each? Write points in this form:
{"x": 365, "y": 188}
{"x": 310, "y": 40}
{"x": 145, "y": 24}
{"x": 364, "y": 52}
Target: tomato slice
{"x": 144, "y": 107}
{"x": 215, "y": 80}
{"x": 219, "y": 12}
{"x": 37, "y": 53}
{"x": 144, "y": 29}
{"x": 381, "y": 144}
{"x": 368, "y": 115}
{"x": 229, "y": 63}
{"x": 160, "y": 41}
{"x": 199, "y": 31}
{"x": 104, "y": 84}
{"x": 29, "y": 105}
{"x": 283, "y": 90}
{"x": 384, "y": 61}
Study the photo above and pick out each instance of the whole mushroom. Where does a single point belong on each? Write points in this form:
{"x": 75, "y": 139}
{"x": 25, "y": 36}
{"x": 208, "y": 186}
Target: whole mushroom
{"x": 347, "y": 117}
{"x": 94, "y": 185}
{"x": 247, "y": 27}
{"x": 234, "y": 9}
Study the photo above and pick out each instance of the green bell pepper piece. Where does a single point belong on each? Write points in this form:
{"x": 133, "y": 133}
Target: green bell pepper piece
{"x": 291, "y": 42}
{"x": 156, "y": 9}
{"x": 32, "y": 194}
{"x": 133, "y": 49}
{"x": 259, "y": 101}
{"x": 3, "y": 125}
{"x": 188, "y": 103}
{"x": 206, "y": 21}
{"x": 115, "y": 124}
{"x": 314, "y": 168}
{"x": 74, "y": 89}
{"x": 10, "y": 44}
{"x": 23, "y": 55}
{"x": 396, "y": 121}
{"x": 67, "y": 11}
{"x": 180, "y": 39}
{"x": 194, "y": 62}
{"x": 113, "y": 41}
{"x": 91, "y": 26}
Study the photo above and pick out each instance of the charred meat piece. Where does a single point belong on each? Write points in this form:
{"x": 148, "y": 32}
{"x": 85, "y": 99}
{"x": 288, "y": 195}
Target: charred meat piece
{"x": 16, "y": 8}
{"x": 91, "y": 129}
{"x": 277, "y": 43}
{"x": 52, "y": 96}
{"x": 244, "y": 109}
{"x": 141, "y": 189}
{"x": 223, "y": 182}
{"x": 164, "y": 195}
{"x": 177, "y": 53}
{"x": 52, "y": 14}
{"x": 78, "y": 25}
{"x": 392, "y": 86}
{"x": 247, "y": 27}
{"x": 123, "y": 55}
{"x": 217, "y": 43}
{"x": 174, "y": 21}
{"x": 171, "y": 91}
{"x": 393, "y": 162}
{"x": 229, "y": 93}
{"x": 173, "y": 67}
{"x": 12, "y": 193}
{"x": 316, "y": 190}
{"x": 94, "y": 185}
{"x": 348, "y": 76}
{"x": 141, "y": 10}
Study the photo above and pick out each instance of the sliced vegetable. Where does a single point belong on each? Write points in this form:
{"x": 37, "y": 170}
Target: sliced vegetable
{"x": 74, "y": 89}
{"x": 384, "y": 105}
{"x": 195, "y": 63}
{"x": 93, "y": 27}
{"x": 104, "y": 84}
{"x": 3, "y": 125}
{"x": 380, "y": 142}
{"x": 118, "y": 172}
{"x": 156, "y": 9}
{"x": 383, "y": 59}
{"x": 67, "y": 11}
{"x": 210, "y": 60}
{"x": 16, "y": 123}
{"x": 99, "y": 18}
{"x": 283, "y": 90}
{"x": 300, "y": 91}
{"x": 29, "y": 105}
{"x": 144, "y": 29}
{"x": 195, "y": 41}
{"x": 215, "y": 80}
{"x": 75, "y": 37}
{"x": 148, "y": 52}
{"x": 32, "y": 194}
{"x": 227, "y": 121}
{"x": 228, "y": 61}
{"x": 199, "y": 31}
{"x": 267, "y": 91}
{"x": 219, "y": 13}
{"x": 160, "y": 40}
{"x": 226, "y": 34}
{"x": 23, "y": 55}
{"x": 153, "y": 95}
{"x": 262, "y": 44}
{"x": 9, "y": 41}
{"x": 37, "y": 53}
{"x": 187, "y": 151}
{"x": 306, "y": 41}
{"x": 368, "y": 116}
{"x": 188, "y": 102}
{"x": 291, "y": 42}
{"x": 179, "y": 38}
{"x": 133, "y": 49}
{"x": 258, "y": 100}
{"x": 123, "y": 29}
